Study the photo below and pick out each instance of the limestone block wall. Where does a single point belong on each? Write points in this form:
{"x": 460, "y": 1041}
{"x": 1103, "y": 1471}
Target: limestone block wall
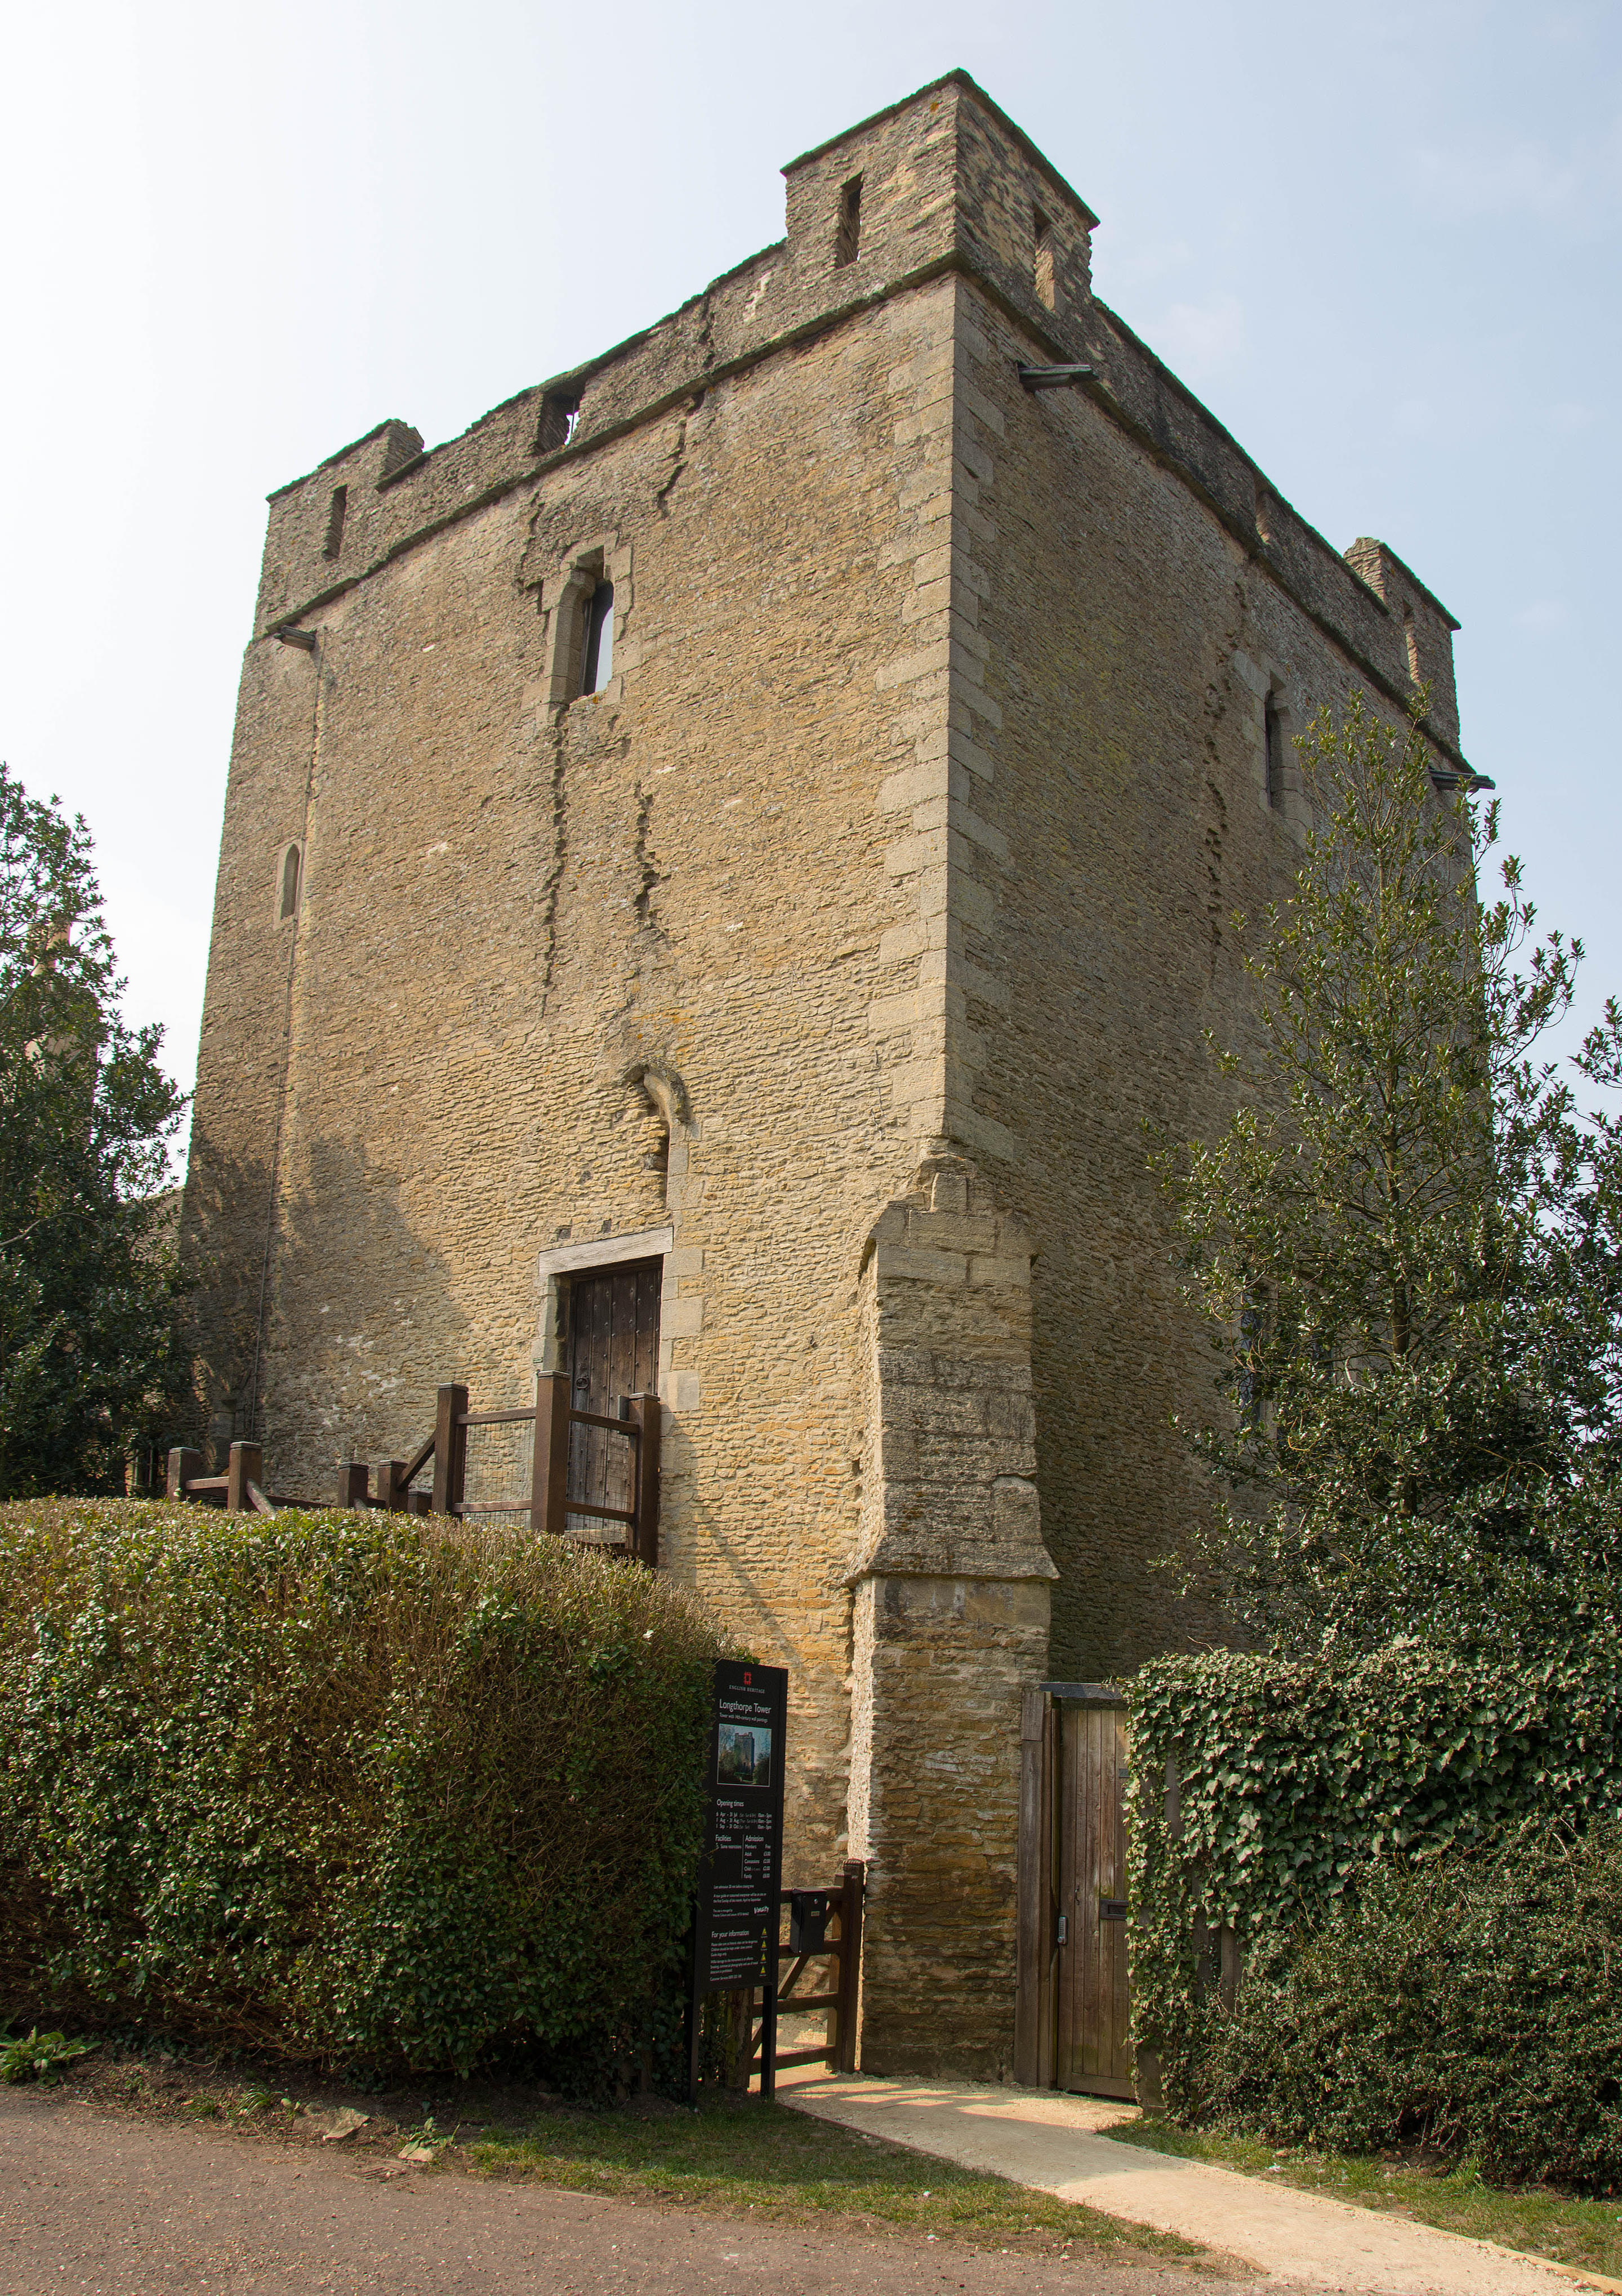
{"x": 244, "y": 1058}
{"x": 852, "y": 942}
{"x": 1130, "y": 640}
{"x": 941, "y": 1663}
{"x": 517, "y": 905}
{"x": 950, "y": 1622}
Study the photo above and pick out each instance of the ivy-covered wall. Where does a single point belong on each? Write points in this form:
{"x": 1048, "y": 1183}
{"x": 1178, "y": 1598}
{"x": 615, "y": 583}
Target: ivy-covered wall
{"x": 1262, "y": 1789}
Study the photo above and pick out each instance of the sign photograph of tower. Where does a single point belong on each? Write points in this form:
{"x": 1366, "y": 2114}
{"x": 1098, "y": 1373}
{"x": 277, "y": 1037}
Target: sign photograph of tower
{"x": 724, "y": 864}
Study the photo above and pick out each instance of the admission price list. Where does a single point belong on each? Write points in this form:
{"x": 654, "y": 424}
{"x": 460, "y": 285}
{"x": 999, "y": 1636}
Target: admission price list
{"x": 741, "y": 1895}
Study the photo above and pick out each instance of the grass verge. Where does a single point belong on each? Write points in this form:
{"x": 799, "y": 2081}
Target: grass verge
{"x": 770, "y": 2161}
{"x": 732, "y": 2157}
{"x": 1540, "y": 2222}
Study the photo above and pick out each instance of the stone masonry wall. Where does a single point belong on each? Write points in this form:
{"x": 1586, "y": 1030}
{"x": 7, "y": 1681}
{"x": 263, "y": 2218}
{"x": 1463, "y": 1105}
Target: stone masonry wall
{"x": 852, "y": 935}
{"x": 950, "y": 1624}
{"x": 512, "y": 906}
{"x": 1129, "y": 642}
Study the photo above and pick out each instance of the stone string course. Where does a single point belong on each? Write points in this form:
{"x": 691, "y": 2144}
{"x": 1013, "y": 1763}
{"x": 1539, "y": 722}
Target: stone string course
{"x": 856, "y": 931}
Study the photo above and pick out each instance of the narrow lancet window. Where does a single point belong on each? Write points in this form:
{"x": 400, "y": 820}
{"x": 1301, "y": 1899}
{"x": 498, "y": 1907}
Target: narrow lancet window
{"x": 1274, "y": 734}
{"x": 291, "y": 868}
{"x": 847, "y": 238}
{"x": 1045, "y": 258}
{"x": 598, "y": 663}
{"x": 1412, "y": 636}
{"x": 333, "y": 544}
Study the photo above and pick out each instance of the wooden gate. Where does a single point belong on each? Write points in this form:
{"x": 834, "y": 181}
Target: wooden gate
{"x": 814, "y": 1939}
{"x": 1072, "y": 2011}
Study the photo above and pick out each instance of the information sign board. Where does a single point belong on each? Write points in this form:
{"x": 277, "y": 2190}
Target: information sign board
{"x": 735, "y": 1919}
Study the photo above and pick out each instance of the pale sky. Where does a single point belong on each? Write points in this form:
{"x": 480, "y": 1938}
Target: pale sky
{"x": 1381, "y": 242}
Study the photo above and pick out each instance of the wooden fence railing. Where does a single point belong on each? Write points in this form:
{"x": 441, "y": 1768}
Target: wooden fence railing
{"x": 238, "y": 1490}
{"x": 387, "y": 1484}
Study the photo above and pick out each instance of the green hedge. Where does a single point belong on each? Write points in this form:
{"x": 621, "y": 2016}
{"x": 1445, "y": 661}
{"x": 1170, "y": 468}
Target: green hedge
{"x": 1471, "y": 2003}
{"x": 350, "y": 1787}
{"x": 1294, "y": 1781}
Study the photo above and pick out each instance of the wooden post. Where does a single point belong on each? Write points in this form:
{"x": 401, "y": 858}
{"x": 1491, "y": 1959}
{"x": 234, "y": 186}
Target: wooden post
{"x": 246, "y": 1465}
{"x": 853, "y": 1889}
{"x": 450, "y": 1451}
{"x": 740, "y": 2037}
{"x": 549, "y": 1473}
{"x": 184, "y": 1466}
{"x": 1047, "y": 2068}
{"x": 644, "y": 1537}
{"x": 1033, "y": 1949}
{"x": 386, "y": 1491}
{"x": 352, "y": 1484}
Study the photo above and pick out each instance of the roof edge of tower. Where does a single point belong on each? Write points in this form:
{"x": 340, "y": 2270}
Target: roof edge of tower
{"x": 957, "y": 77}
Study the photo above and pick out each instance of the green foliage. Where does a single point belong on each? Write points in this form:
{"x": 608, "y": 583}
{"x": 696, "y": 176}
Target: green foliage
{"x": 1473, "y": 2004}
{"x": 88, "y": 1355}
{"x": 1405, "y": 1246}
{"x": 1294, "y": 1780}
{"x": 35, "y": 2056}
{"x": 359, "y": 1788}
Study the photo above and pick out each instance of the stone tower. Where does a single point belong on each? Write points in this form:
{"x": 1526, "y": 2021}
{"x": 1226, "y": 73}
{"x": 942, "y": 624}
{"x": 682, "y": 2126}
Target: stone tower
{"x": 763, "y": 811}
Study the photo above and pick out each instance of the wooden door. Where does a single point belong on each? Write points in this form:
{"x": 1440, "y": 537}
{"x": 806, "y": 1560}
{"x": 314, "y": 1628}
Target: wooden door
{"x": 1094, "y": 2052}
{"x": 614, "y": 1341}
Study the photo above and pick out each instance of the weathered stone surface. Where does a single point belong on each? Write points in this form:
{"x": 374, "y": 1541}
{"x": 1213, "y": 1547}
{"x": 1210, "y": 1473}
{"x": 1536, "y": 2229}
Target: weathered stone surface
{"x": 858, "y": 932}
{"x": 940, "y": 1663}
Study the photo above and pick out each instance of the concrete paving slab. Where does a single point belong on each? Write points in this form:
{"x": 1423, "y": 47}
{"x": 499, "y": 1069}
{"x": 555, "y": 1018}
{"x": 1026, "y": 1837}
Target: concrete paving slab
{"x": 1053, "y": 2142}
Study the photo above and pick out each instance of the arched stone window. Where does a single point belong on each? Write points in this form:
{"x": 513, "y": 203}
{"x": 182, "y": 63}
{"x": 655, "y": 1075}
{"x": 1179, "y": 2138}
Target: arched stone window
{"x": 584, "y": 604}
{"x": 292, "y": 883}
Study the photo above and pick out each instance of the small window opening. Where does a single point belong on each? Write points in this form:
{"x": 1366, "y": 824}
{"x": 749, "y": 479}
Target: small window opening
{"x": 559, "y": 419}
{"x": 847, "y": 238}
{"x": 1045, "y": 258}
{"x": 291, "y": 870}
{"x": 1274, "y": 734}
{"x": 333, "y": 544}
{"x": 599, "y": 664}
{"x": 1412, "y": 636}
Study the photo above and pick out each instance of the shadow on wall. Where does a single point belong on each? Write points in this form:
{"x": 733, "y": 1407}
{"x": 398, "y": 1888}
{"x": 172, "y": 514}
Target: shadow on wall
{"x": 1108, "y": 1464}
{"x": 323, "y": 1332}
{"x": 224, "y": 1207}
